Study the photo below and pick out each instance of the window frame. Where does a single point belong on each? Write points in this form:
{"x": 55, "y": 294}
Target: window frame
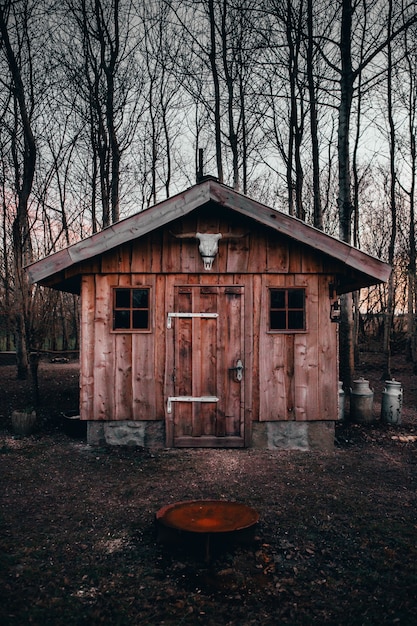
{"x": 287, "y": 309}
{"x": 149, "y": 309}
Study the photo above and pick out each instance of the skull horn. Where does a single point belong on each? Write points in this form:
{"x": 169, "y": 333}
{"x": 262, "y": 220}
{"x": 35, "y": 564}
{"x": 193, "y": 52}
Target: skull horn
{"x": 183, "y": 235}
{"x": 235, "y": 235}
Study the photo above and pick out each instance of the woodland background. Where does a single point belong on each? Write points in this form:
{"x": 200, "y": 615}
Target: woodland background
{"x": 108, "y": 106}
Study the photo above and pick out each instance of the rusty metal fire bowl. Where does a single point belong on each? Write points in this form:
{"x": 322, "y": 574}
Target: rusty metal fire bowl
{"x": 206, "y": 518}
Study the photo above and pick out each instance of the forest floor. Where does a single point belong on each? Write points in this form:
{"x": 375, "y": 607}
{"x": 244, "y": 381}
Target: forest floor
{"x": 336, "y": 542}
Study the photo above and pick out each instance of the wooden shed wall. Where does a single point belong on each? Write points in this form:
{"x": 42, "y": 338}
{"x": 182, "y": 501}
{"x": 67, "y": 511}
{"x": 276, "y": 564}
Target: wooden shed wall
{"x": 255, "y": 250}
{"x": 289, "y": 376}
{"x": 298, "y": 372}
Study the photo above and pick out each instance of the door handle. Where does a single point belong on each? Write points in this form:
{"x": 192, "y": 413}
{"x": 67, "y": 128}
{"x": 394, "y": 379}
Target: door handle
{"x": 238, "y": 369}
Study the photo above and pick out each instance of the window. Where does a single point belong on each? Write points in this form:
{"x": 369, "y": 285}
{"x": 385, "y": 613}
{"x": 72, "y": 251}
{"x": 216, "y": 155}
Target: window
{"x": 287, "y": 310}
{"x": 131, "y": 309}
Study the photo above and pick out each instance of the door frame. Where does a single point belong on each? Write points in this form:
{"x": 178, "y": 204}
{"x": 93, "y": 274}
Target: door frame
{"x": 172, "y": 284}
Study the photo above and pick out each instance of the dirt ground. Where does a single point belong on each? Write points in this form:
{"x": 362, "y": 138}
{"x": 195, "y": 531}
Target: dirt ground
{"x": 336, "y": 542}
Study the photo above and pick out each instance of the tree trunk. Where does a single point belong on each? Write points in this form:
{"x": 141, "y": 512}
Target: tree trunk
{"x": 233, "y": 140}
{"x": 389, "y": 316}
{"x": 21, "y": 233}
{"x": 317, "y": 206}
{"x": 291, "y": 184}
{"x": 346, "y": 341}
{"x": 346, "y": 94}
{"x": 216, "y": 84}
{"x": 346, "y": 346}
{"x": 412, "y": 252}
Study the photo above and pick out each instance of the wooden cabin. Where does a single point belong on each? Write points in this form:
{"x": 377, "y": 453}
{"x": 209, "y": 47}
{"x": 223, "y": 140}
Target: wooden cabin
{"x": 206, "y": 322}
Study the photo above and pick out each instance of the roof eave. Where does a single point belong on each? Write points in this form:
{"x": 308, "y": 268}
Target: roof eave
{"x": 159, "y": 215}
{"x": 126, "y": 230}
{"x": 298, "y": 230}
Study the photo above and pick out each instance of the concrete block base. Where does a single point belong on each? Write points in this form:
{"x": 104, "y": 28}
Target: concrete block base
{"x": 313, "y": 436}
{"x": 145, "y": 434}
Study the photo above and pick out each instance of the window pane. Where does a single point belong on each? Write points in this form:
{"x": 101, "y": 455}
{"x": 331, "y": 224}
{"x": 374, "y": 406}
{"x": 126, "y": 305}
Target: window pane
{"x": 295, "y": 298}
{"x": 278, "y": 320}
{"x": 140, "y": 298}
{"x": 295, "y": 320}
{"x": 121, "y": 319}
{"x": 277, "y": 298}
{"x": 122, "y": 298}
{"x": 140, "y": 319}
{"x": 131, "y": 309}
{"x": 287, "y": 310}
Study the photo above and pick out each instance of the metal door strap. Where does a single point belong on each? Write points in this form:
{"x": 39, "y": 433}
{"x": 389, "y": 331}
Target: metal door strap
{"x": 201, "y": 315}
{"x": 172, "y": 399}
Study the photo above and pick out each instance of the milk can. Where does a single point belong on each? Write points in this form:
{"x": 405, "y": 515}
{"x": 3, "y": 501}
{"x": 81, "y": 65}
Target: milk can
{"x": 392, "y": 400}
{"x": 361, "y": 402}
{"x": 341, "y": 402}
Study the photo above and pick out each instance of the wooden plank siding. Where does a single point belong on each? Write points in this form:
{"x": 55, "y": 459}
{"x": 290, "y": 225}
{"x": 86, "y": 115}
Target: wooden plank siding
{"x": 254, "y": 253}
{"x": 287, "y": 376}
{"x": 104, "y": 350}
{"x": 87, "y": 338}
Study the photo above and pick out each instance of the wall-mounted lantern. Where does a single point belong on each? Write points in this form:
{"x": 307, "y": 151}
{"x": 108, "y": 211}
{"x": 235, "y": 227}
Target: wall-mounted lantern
{"x": 335, "y": 311}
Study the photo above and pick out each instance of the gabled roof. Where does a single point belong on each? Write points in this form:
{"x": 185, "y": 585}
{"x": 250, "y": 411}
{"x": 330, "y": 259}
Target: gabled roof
{"x": 363, "y": 269}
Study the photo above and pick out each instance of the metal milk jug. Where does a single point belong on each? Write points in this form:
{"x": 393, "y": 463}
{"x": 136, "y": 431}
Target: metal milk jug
{"x": 392, "y": 400}
{"x": 341, "y": 402}
{"x": 361, "y": 402}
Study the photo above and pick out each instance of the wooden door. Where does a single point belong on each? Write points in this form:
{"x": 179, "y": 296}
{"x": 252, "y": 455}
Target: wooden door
{"x": 208, "y": 370}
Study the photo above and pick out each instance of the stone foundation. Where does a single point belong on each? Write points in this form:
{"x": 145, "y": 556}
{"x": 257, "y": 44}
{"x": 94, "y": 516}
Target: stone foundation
{"x": 146, "y": 434}
{"x": 313, "y": 436}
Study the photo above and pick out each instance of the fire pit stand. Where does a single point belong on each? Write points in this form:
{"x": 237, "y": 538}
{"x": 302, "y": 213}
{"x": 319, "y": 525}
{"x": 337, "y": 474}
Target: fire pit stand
{"x": 207, "y": 518}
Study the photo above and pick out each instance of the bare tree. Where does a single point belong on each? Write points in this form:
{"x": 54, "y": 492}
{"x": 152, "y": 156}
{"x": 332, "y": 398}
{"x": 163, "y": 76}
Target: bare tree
{"x": 216, "y": 85}
{"x": 6, "y": 265}
{"x": 102, "y": 69}
{"x": 161, "y": 46}
{"x": 222, "y": 46}
{"x": 287, "y": 82}
{"x": 408, "y": 90}
{"x": 348, "y": 75}
{"x": 312, "y": 91}
{"x": 392, "y": 200}
{"x": 24, "y": 161}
